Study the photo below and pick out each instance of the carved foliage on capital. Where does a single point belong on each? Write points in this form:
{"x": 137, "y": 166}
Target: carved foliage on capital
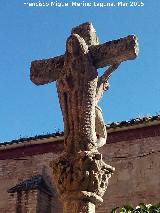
{"x": 86, "y": 172}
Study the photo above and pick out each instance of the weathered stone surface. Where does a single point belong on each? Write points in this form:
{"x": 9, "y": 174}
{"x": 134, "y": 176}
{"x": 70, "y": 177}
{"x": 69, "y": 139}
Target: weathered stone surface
{"x": 81, "y": 206}
{"x": 80, "y": 173}
{"x": 84, "y": 176}
{"x": 114, "y": 52}
{"x": 47, "y": 70}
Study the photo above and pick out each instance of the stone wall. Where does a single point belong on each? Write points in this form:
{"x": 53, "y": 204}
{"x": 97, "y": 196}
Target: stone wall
{"x": 137, "y": 175}
{"x": 22, "y": 202}
{"x": 136, "y": 179}
{"x": 14, "y": 171}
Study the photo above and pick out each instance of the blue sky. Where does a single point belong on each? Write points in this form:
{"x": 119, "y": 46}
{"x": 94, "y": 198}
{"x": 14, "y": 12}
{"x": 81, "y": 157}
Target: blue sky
{"x": 29, "y": 33}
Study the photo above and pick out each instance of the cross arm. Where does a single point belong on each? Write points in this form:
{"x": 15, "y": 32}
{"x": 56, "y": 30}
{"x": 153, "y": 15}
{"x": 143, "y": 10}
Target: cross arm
{"x": 109, "y": 53}
{"x": 46, "y": 70}
{"x": 115, "y": 52}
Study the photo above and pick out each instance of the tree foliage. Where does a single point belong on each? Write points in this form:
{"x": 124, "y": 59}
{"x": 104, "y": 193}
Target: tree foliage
{"x": 141, "y": 208}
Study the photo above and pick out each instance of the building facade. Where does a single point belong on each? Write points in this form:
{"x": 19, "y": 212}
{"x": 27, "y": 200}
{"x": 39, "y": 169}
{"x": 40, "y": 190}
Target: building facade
{"x": 132, "y": 147}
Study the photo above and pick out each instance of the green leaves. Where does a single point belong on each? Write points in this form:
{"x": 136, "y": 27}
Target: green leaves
{"x": 141, "y": 208}
{"x": 114, "y": 210}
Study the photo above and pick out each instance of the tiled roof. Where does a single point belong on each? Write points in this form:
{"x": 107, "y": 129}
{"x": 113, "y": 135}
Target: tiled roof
{"x": 36, "y": 182}
{"x": 135, "y": 121}
{"x": 114, "y": 125}
{"x": 37, "y": 137}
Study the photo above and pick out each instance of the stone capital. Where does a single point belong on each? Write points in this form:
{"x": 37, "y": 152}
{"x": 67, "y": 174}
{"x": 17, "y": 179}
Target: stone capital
{"x": 81, "y": 177}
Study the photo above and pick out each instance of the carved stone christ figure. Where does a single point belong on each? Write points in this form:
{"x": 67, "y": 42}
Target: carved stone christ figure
{"x": 80, "y": 174}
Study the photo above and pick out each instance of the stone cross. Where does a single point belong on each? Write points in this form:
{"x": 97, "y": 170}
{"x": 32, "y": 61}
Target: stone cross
{"x": 80, "y": 174}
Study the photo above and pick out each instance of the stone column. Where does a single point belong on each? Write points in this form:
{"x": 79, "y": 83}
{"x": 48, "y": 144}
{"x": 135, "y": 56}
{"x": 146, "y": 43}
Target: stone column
{"x": 79, "y": 206}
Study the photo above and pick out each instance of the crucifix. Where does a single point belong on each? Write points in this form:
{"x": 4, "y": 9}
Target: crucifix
{"x": 80, "y": 174}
